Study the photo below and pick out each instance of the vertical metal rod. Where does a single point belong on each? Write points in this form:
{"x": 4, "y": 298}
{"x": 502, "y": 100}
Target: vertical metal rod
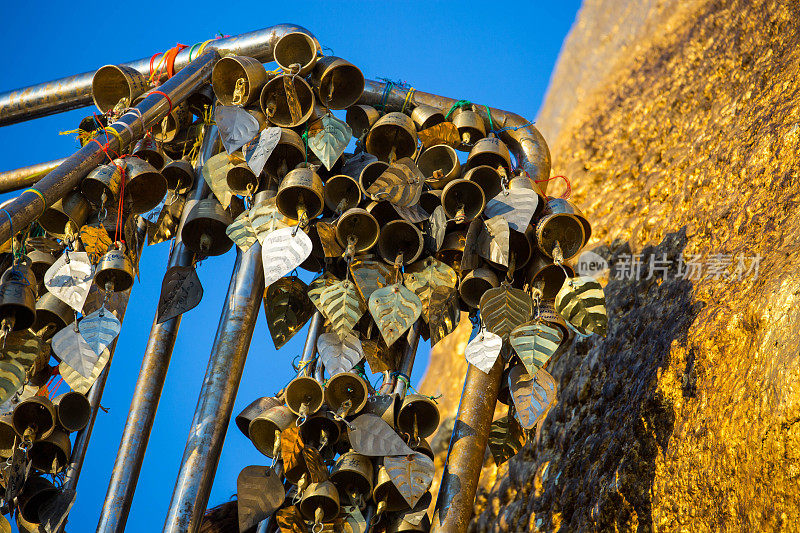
{"x": 310, "y": 347}
{"x": 153, "y": 373}
{"x": 407, "y": 363}
{"x": 217, "y": 394}
{"x": 467, "y": 447}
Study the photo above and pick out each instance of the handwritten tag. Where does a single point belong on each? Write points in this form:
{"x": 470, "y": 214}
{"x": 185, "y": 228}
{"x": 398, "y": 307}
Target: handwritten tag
{"x": 70, "y": 278}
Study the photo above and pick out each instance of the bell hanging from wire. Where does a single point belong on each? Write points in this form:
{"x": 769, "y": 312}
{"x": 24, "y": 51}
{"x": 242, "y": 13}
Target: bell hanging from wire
{"x": 296, "y": 52}
{"x": 547, "y": 277}
{"x": 370, "y": 173}
{"x": 452, "y": 249}
{"x": 470, "y": 127}
{"x": 300, "y": 194}
{"x": 488, "y": 178}
{"x": 475, "y": 283}
{"x": 50, "y": 455}
{"x": 384, "y": 406}
{"x": 148, "y": 149}
{"x": 179, "y": 175}
{"x": 357, "y": 230}
{"x": 242, "y": 180}
{"x": 320, "y": 502}
{"x": 439, "y": 164}
{"x": 400, "y": 237}
{"x": 489, "y": 151}
{"x": 339, "y": 83}
{"x": 341, "y": 193}
{"x": 393, "y": 137}
{"x": 34, "y": 418}
{"x": 264, "y": 430}
{"x": 69, "y": 212}
{"x": 287, "y": 101}
{"x": 117, "y": 85}
{"x": 288, "y": 153}
{"x": 51, "y": 313}
{"x": 256, "y": 408}
{"x": 352, "y": 476}
{"x": 346, "y": 393}
{"x": 462, "y": 200}
{"x": 101, "y": 185}
{"x": 425, "y": 116}
{"x": 320, "y": 430}
{"x": 115, "y": 271}
{"x": 144, "y": 187}
{"x": 179, "y": 119}
{"x": 36, "y": 493}
{"x": 17, "y": 298}
{"x": 386, "y": 494}
{"x": 304, "y": 396}
{"x": 72, "y": 411}
{"x": 560, "y": 235}
{"x": 237, "y": 80}
{"x": 361, "y": 118}
{"x": 418, "y": 416}
{"x": 204, "y": 229}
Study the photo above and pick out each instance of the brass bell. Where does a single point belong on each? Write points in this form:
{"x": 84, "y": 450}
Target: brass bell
{"x": 384, "y": 406}
{"x": 475, "y": 283}
{"x": 320, "y": 502}
{"x": 422, "y": 446}
{"x": 546, "y": 276}
{"x": 17, "y": 298}
{"x": 488, "y": 178}
{"x": 425, "y": 116}
{"x": 90, "y": 124}
{"x": 256, "y": 408}
{"x": 383, "y": 211}
{"x": 7, "y": 437}
{"x": 288, "y": 153}
{"x": 560, "y": 205}
{"x": 179, "y": 175}
{"x": 320, "y": 430}
{"x": 264, "y": 430}
{"x": 346, "y": 393}
{"x": 204, "y": 229}
{"x": 26, "y": 527}
{"x": 72, "y": 411}
{"x": 520, "y": 248}
{"x": 400, "y": 237}
{"x": 462, "y": 200}
{"x": 393, "y": 137}
{"x": 148, "y": 150}
{"x": 115, "y": 84}
{"x": 52, "y": 311}
{"x": 200, "y": 99}
{"x": 242, "y": 180}
{"x": 73, "y": 208}
{"x": 34, "y": 495}
{"x": 371, "y": 172}
{"x": 275, "y": 101}
{"x": 352, "y": 475}
{"x": 452, "y": 249}
{"x": 360, "y": 118}
{"x": 304, "y": 396}
{"x": 439, "y": 164}
{"x": 418, "y": 416}
{"x": 341, "y": 193}
{"x": 470, "y": 127}
{"x": 40, "y": 262}
{"x": 296, "y": 48}
{"x": 179, "y": 119}
{"x": 38, "y": 414}
{"x": 144, "y": 186}
{"x": 489, "y": 151}
{"x": 51, "y": 455}
{"x": 357, "y": 228}
{"x": 429, "y": 200}
{"x": 115, "y": 272}
{"x": 562, "y": 230}
{"x": 300, "y": 194}
{"x": 339, "y": 83}
{"x": 386, "y": 494}
{"x": 548, "y": 314}
{"x": 237, "y": 80}
{"x": 104, "y": 181}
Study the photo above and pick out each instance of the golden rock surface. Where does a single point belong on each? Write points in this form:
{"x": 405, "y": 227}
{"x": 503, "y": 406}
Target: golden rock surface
{"x": 679, "y": 126}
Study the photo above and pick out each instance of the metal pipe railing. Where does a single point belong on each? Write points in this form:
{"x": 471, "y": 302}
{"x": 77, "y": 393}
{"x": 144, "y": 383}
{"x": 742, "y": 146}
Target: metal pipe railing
{"x": 153, "y": 373}
{"x": 75, "y": 91}
{"x": 13, "y": 180}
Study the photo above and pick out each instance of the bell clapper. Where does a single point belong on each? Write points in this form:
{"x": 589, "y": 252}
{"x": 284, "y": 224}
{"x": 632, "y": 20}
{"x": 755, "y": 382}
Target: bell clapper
{"x": 318, "y": 515}
{"x": 6, "y": 327}
{"x": 238, "y": 91}
{"x": 378, "y": 513}
{"x": 342, "y": 412}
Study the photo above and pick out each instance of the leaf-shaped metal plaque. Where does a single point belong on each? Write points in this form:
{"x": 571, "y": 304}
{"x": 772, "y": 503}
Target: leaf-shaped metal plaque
{"x": 292, "y": 453}
{"x": 318, "y": 286}
{"x": 423, "y": 277}
{"x": 444, "y": 313}
{"x": 23, "y": 355}
{"x": 99, "y": 329}
{"x": 340, "y": 304}
{"x": 504, "y": 308}
{"x": 70, "y": 346}
{"x": 215, "y": 172}
{"x": 535, "y": 343}
{"x": 517, "y": 206}
{"x": 401, "y": 183}
{"x": 493, "y": 242}
{"x": 258, "y": 151}
{"x": 329, "y": 142}
{"x": 96, "y": 242}
{"x": 290, "y": 520}
{"x": 282, "y": 251}
{"x": 339, "y": 355}
{"x": 327, "y": 236}
{"x": 55, "y": 510}
{"x": 483, "y": 350}
{"x": 355, "y": 164}
{"x": 414, "y": 213}
{"x": 411, "y": 474}
{"x": 354, "y": 521}
{"x": 236, "y": 126}
{"x": 442, "y": 133}
{"x": 380, "y": 357}
{"x": 470, "y": 258}
{"x": 370, "y": 275}
{"x": 434, "y": 230}
{"x": 395, "y": 309}
{"x": 77, "y": 382}
{"x": 533, "y": 398}
{"x": 259, "y": 492}
{"x": 70, "y": 278}
{"x": 317, "y": 471}
{"x": 241, "y": 232}
{"x": 181, "y": 291}
{"x": 265, "y": 218}
{"x": 370, "y": 435}
{"x": 582, "y": 303}
{"x": 287, "y": 308}
{"x": 166, "y": 226}
{"x": 506, "y": 438}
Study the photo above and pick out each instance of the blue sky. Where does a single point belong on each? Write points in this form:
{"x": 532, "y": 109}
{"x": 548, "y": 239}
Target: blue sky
{"x": 500, "y": 54}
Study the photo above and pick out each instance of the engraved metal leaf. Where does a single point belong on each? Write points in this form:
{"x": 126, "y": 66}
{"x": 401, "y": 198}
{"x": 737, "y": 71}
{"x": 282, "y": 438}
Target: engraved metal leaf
{"x": 470, "y": 259}
{"x": 517, "y": 206}
{"x": 55, "y": 510}
{"x": 70, "y": 346}
{"x": 327, "y": 236}
{"x": 354, "y": 521}
{"x": 582, "y": 303}
{"x": 96, "y": 242}
{"x": 341, "y": 305}
{"x": 287, "y": 308}
{"x": 483, "y": 350}
{"x": 290, "y": 520}
{"x": 258, "y": 151}
{"x": 166, "y": 226}
{"x": 370, "y": 435}
{"x": 379, "y": 356}
{"x": 76, "y": 381}
{"x": 401, "y": 183}
{"x": 317, "y": 286}
{"x": 265, "y": 218}
{"x": 532, "y": 398}
{"x": 423, "y": 277}
{"x": 504, "y": 308}
{"x": 434, "y": 229}
{"x": 70, "y": 281}
{"x": 315, "y": 465}
{"x": 215, "y": 172}
{"x": 99, "y": 329}
{"x": 339, "y": 355}
{"x": 330, "y": 141}
{"x": 411, "y": 474}
{"x": 535, "y": 343}
{"x": 395, "y": 309}
{"x": 370, "y": 275}
{"x": 241, "y": 232}
{"x": 23, "y": 355}
{"x": 282, "y": 251}
{"x": 444, "y": 313}
{"x": 292, "y": 452}
{"x": 493, "y": 241}
{"x": 442, "y": 133}
{"x": 236, "y": 126}
{"x": 414, "y": 213}
{"x": 259, "y": 492}
{"x": 506, "y": 439}
{"x": 181, "y": 291}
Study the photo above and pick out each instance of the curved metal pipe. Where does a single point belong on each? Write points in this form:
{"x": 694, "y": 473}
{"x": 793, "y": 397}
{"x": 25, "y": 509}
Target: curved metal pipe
{"x": 75, "y": 91}
{"x": 13, "y": 180}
